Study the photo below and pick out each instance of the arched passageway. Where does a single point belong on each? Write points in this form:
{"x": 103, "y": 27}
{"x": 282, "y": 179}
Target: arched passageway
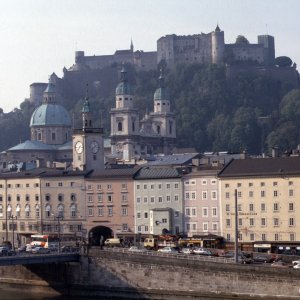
{"x": 99, "y": 234}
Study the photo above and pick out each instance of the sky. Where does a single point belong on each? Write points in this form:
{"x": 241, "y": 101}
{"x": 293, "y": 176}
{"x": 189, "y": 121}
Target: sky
{"x": 39, "y": 37}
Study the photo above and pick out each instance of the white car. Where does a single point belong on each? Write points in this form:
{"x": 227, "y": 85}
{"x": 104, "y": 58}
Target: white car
{"x": 202, "y": 251}
{"x": 167, "y": 249}
{"x": 186, "y": 251}
{"x": 296, "y": 266}
{"x": 136, "y": 249}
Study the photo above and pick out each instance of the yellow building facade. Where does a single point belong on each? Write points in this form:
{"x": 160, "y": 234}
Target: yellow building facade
{"x": 266, "y": 191}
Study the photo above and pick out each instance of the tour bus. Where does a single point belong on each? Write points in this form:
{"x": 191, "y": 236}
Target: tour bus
{"x": 42, "y": 240}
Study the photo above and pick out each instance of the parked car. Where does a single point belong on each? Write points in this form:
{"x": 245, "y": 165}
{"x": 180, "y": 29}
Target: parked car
{"x": 40, "y": 250}
{"x": 279, "y": 264}
{"x": 202, "y": 251}
{"x": 186, "y": 250}
{"x": 263, "y": 259}
{"x": 136, "y": 249}
{"x": 167, "y": 249}
{"x": 5, "y": 251}
{"x": 296, "y": 266}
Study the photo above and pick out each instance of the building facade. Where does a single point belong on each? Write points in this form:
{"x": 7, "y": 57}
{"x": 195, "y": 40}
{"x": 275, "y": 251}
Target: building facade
{"x": 266, "y": 191}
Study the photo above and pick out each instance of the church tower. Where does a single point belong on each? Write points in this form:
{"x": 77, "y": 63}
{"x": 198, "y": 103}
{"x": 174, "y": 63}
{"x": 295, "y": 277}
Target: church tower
{"x": 163, "y": 120}
{"x": 88, "y": 146}
{"x": 124, "y": 122}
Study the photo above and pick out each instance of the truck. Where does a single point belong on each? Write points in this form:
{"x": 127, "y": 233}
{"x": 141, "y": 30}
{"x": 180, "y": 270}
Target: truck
{"x": 157, "y": 242}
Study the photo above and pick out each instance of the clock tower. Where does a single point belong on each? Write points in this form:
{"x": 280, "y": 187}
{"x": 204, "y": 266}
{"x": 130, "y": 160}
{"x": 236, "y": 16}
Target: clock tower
{"x": 88, "y": 147}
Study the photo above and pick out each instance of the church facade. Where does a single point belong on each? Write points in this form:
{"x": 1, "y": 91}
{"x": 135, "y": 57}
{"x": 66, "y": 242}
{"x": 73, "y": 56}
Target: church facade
{"x": 132, "y": 138}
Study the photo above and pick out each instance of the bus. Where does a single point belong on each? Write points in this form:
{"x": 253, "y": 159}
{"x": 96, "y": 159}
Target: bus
{"x": 46, "y": 241}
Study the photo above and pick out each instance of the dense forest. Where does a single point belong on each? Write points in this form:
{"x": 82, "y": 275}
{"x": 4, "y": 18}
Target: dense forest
{"x": 250, "y": 113}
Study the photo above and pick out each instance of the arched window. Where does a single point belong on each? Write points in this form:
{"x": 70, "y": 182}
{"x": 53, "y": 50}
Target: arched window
{"x": 73, "y": 210}
{"x": 18, "y": 210}
{"x": 73, "y": 197}
{"x": 60, "y": 209}
{"x": 37, "y": 211}
{"x": 47, "y": 197}
{"x": 48, "y": 211}
{"x": 27, "y": 211}
{"x": 158, "y": 129}
{"x": 60, "y": 197}
{"x": 120, "y": 127}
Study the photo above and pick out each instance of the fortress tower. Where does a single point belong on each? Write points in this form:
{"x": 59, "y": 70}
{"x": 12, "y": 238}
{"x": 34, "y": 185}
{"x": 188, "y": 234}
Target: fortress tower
{"x": 217, "y": 46}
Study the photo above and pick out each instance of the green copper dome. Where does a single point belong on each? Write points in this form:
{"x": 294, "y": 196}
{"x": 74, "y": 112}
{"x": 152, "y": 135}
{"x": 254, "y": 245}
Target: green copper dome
{"x": 161, "y": 93}
{"x": 50, "y": 114}
{"x": 123, "y": 88}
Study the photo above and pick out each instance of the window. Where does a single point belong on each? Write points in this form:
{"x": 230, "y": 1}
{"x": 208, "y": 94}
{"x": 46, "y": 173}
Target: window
{"x": 227, "y": 185}
{"x": 47, "y": 184}
{"x": 90, "y": 211}
{"x": 240, "y": 221}
{"x": 193, "y": 195}
{"x": 204, "y": 182}
{"x": 214, "y": 195}
{"x": 291, "y": 206}
{"x": 160, "y": 199}
{"x": 239, "y": 207}
{"x": 276, "y": 222}
{"x": 73, "y": 210}
{"x": 291, "y": 222}
{"x": 137, "y": 186}
{"x": 262, "y": 184}
{"x": 251, "y": 207}
{"x": 275, "y": 183}
{"x": 99, "y": 186}
{"x": 205, "y": 227}
{"x": 37, "y": 198}
{"x": 168, "y": 198}
{"x": 124, "y": 211}
{"x": 159, "y": 186}
{"x": 109, "y": 198}
{"x": 176, "y": 213}
{"x": 204, "y": 195}
{"x": 48, "y": 211}
{"x": 204, "y": 211}
{"x": 251, "y": 222}
{"x": 37, "y": 211}
{"x": 275, "y": 193}
{"x": 145, "y": 186}
{"x": 263, "y": 207}
{"x": 250, "y": 184}
{"x": 60, "y": 184}
{"x": 119, "y": 126}
{"x": 292, "y": 237}
{"x": 213, "y": 181}
{"x": 291, "y": 193}
{"x": 124, "y": 186}
{"x": 109, "y": 187}
{"x": 276, "y": 237}
{"x": 227, "y": 207}
{"x": 152, "y": 199}
{"x": 145, "y": 199}
{"x": 263, "y": 237}
{"x": 90, "y": 198}
{"x": 194, "y": 212}
{"x": 239, "y": 194}
{"x": 100, "y": 211}
{"x": 176, "y": 185}
{"x": 27, "y": 211}
{"x": 138, "y": 200}
{"x": 239, "y": 185}
{"x": 125, "y": 227}
{"x": 110, "y": 211}
{"x": 187, "y": 211}
{"x": 228, "y": 236}
{"x": 262, "y": 193}
{"x": 146, "y": 215}
{"x": 215, "y": 226}
{"x": 263, "y": 222}
{"x": 291, "y": 183}
{"x": 176, "y": 197}
{"x": 73, "y": 197}
{"x": 251, "y": 236}
{"x": 227, "y": 195}
{"x": 60, "y": 197}
{"x": 164, "y": 220}
{"x": 227, "y": 222}
{"x": 138, "y": 215}
{"x": 276, "y": 207}
{"x": 214, "y": 212}
{"x": 124, "y": 198}
{"x": 168, "y": 185}
{"x": 250, "y": 194}
{"x": 187, "y": 195}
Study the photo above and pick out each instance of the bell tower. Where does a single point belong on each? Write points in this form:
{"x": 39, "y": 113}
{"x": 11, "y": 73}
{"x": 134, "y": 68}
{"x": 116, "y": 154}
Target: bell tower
{"x": 88, "y": 146}
{"x": 124, "y": 122}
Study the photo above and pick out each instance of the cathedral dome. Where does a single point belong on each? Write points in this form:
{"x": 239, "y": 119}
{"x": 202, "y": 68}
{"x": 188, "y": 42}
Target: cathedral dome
{"x": 161, "y": 94}
{"x": 50, "y": 114}
{"x": 123, "y": 88}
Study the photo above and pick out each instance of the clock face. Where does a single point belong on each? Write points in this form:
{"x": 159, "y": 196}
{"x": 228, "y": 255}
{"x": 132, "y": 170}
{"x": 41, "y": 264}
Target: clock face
{"x": 94, "y": 147}
{"x": 79, "y": 147}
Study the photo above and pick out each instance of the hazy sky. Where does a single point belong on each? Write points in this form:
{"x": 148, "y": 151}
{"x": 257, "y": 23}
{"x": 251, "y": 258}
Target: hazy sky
{"x": 39, "y": 37}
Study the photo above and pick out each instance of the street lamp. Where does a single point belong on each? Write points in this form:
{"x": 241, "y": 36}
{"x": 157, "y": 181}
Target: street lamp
{"x": 12, "y": 217}
{"x": 58, "y": 218}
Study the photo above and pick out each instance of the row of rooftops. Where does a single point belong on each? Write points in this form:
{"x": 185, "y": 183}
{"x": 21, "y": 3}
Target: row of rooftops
{"x": 262, "y": 167}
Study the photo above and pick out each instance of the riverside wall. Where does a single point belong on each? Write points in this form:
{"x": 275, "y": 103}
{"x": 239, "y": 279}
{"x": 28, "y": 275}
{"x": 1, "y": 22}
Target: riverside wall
{"x": 118, "y": 275}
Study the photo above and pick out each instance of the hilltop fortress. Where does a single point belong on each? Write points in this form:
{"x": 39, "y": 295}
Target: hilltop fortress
{"x": 207, "y": 48}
